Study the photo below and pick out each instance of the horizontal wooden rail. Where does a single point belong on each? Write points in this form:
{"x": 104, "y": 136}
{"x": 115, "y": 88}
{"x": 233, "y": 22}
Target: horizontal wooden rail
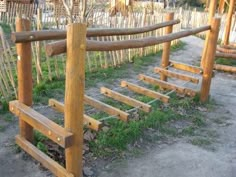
{"x": 46, "y": 161}
{"x": 57, "y": 48}
{"x": 106, "y": 108}
{"x": 225, "y": 68}
{"x": 176, "y": 75}
{"x": 20, "y": 37}
{"x": 125, "y": 99}
{"x": 41, "y": 123}
{"x": 167, "y": 85}
{"x": 186, "y": 67}
{"x": 145, "y": 91}
{"x": 226, "y": 50}
{"x": 226, "y": 55}
{"x": 88, "y": 121}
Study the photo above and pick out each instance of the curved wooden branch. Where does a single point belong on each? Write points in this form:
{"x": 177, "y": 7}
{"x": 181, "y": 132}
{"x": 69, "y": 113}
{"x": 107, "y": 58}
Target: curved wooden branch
{"x": 56, "y": 48}
{"x": 92, "y": 32}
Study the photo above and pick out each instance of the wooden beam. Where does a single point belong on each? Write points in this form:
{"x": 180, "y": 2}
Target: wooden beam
{"x": 41, "y": 123}
{"x": 89, "y": 122}
{"x": 74, "y": 95}
{"x": 106, "y": 108}
{"x": 176, "y": 75}
{"x": 46, "y": 161}
{"x": 166, "y": 47}
{"x": 93, "y": 32}
{"x": 144, "y": 91}
{"x": 226, "y": 55}
{"x": 56, "y": 48}
{"x": 225, "y": 68}
{"x": 223, "y": 51}
{"x": 209, "y": 60}
{"x": 186, "y": 67}
{"x": 228, "y": 25}
{"x": 166, "y": 85}
{"x": 24, "y": 74}
{"x": 125, "y": 99}
{"x": 221, "y": 6}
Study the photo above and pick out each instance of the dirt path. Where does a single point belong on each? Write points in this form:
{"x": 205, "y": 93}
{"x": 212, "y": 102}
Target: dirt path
{"x": 175, "y": 158}
{"x": 181, "y": 158}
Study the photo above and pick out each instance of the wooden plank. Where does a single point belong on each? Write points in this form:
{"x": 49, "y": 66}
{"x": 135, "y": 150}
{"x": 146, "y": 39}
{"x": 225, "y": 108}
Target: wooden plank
{"x": 225, "y": 68}
{"x": 41, "y": 123}
{"x": 226, "y": 55}
{"x": 186, "y": 67}
{"x": 57, "y": 48}
{"x": 144, "y": 91}
{"x": 88, "y": 121}
{"x": 176, "y": 75}
{"x": 46, "y": 161}
{"x": 106, "y": 108}
{"x": 125, "y": 99}
{"x": 166, "y": 85}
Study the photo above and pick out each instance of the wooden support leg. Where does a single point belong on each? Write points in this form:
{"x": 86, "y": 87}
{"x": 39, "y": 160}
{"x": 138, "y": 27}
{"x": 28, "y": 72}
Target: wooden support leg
{"x": 166, "y": 46}
{"x": 74, "y": 95}
{"x": 212, "y": 11}
{"x": 209, "y": 59}
{"x": 228, "y": 23}
{"x": 24, "y": 73}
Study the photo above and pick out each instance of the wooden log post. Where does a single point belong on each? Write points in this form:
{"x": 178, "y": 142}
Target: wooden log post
{"x": 228, "y": 22}
{"x": 24, "y": 73}
{"x": 221, "y": 6}
{"x": 74, "y": 95}
{"x": 166, "y": 47}
{"x": 209, "y": 59}
{"x": 212, "y": 11}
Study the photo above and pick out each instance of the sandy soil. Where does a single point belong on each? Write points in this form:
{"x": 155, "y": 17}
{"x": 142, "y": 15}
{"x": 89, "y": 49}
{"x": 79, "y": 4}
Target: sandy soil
{"x": 178, "y": 158}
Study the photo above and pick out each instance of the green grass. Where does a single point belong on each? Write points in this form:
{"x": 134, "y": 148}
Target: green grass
{"x": 228, "y": 62}
{"x": 6, "y": 28}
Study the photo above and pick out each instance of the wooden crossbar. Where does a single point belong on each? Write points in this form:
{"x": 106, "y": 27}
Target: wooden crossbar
{"x": 225, "y": 68}
{"x": 145, "y": 91}
{"x": 186, "y": 67}
{"x": 125, "y": 99}
{"x": 226, "y": 55}
{"x": 106, "y": 108}
{"x": 46, "y": 161}
{"x": 176, "y": 75}
{"x": 41, "y": 123}
{"x": 166, "y": 85}
{"x": 88, "y": 121}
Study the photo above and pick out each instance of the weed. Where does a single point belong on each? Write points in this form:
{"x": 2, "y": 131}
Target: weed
{"x": 190, "y": 131}
{"x": 202, "y": 142}
{"x": 2, "y": 128}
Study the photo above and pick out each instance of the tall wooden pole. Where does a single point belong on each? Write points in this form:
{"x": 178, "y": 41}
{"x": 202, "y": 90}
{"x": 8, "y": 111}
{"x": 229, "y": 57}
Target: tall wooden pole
{"x": 24, "y": 73}
{"x": 212, "y": 11}
{"x": 74, "y": 95}
{"x": 221, "y": 6}
{"x": 166, "y": 46}
{"x": 228, "y": 22}
{"x": 209, "y": 59}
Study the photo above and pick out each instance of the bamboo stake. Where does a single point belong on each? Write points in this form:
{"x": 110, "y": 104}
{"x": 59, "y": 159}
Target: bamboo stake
{"x": 74, "y": 95}
{"x": 166, "y": 47}
{"x": 209, "y": 59}
{"x": 24, "y": 72}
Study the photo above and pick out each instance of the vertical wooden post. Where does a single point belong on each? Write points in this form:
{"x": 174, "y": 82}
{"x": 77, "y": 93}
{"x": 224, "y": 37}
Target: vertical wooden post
{"x": 209, "y": 59}
{"x": 24, "y": 73}
{"x": 221, "y": 6}
{"x": 166, "y": 46}
{"x": 212, "y": 11}
{"x": 228, "y": 22}
{"x": 74, "y": 95}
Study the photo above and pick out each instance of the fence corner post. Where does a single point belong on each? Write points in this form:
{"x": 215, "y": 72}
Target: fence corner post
{"x": 166, "y": 46}
{"x": 209, "y": 59}
{"x": 24, "y": 74}
{"x": 74, "y": 95}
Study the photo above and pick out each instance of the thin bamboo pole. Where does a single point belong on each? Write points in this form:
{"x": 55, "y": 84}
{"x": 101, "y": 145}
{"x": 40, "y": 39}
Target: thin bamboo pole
{"x": 209, "y": 59}
{"x": 74, "y": 95}
{"x": 166, "y": 46}
{"x": 24, "y": 72}
{"x": 228, "y": 22}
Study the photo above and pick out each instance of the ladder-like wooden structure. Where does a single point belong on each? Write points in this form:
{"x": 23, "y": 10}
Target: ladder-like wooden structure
{"x": 70, "y": 136}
